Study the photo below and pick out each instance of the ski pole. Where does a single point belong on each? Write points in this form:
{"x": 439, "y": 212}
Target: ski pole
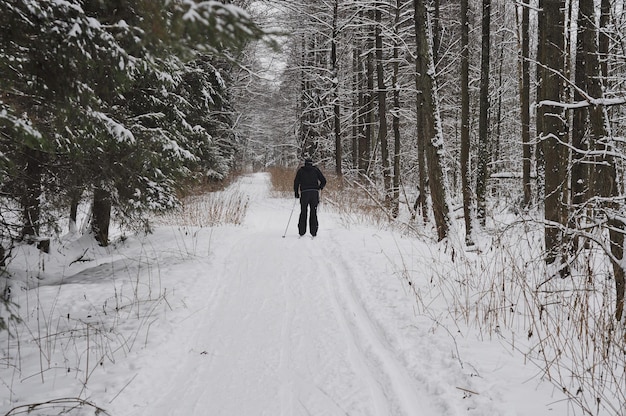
{"x": 292, "y": 208}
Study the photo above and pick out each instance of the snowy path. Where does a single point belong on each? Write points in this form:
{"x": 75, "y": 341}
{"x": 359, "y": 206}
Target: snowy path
{"x": 237, "y": 321}
{"x": 279, "y": 329}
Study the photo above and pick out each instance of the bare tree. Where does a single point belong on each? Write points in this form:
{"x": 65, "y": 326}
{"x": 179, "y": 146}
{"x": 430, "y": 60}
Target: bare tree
{"x": 465, "y": 123}
{"x": 382, "y": 104}
{"x": 483, "y": 121}
{"x": 335, "y": 88}
{"x": 524, "y": 81}
{"x": 603, "y": 176}
{"x": 395, "y": 87}
{"x": 428, "y": 113}
{"x": 552, "y": 130}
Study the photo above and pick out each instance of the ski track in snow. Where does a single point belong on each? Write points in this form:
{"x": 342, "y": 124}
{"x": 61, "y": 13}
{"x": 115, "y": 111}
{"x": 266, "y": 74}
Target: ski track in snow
{"x": 254, "y": 324}
{"x": 279, "y": 330}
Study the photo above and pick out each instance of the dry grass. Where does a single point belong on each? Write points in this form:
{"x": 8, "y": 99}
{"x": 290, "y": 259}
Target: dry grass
{"x": 200, "y": 186}
{"x": 354, "y": 205}
{"x": 207, "y": 203}
{"x": 208, "y": 210}
{"x": 282, "y": 181}
{"x": 565, "y": 327}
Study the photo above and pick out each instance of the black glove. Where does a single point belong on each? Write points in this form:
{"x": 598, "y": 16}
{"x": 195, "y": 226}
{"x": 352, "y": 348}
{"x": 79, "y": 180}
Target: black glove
{"x": 297, "y": 196}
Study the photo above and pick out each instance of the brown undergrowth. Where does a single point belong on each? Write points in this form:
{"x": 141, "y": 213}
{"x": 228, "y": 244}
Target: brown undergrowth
{"x": 354, "y": 204}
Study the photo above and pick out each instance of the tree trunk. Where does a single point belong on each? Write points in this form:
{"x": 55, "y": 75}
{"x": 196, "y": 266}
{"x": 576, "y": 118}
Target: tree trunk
{"x": 465, "y": 124}
{"x": 356, "y": 107}
{"x": 369, "y": 100}
{"x": 553, "y": 131}
{"x": 525, "y": 106}
{"x": 431, "y": 127}
{"x": 540, "y": 164}
{"x": 483, "y": 122}
{"x": 436, "y": 29}
{"x": 75, "y": 201}
{"x": 367, "y": 105}
{"x": 304, "y": 87}
{"x": 382, "y": 105}
{"x": 579, "y": 182}
{"x": 31, "y": 207}
{"x": 421, "y": 202}
{"x": 616, "y": 236}
{"x": 604, "y": 39}
{"x": 335, "y": 83}
{"x": 605, "y": 183}
{"x": 362, "y": 112}
{"x": 101, "y": 216}
{"x": 396, "y": 118}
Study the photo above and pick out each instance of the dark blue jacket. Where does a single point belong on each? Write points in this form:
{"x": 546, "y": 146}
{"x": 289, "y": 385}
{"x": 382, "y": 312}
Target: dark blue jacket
{"x": 308, "y": 178}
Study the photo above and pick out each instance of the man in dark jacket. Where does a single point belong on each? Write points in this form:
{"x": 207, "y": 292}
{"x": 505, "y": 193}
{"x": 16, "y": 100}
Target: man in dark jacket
{"x": 306, "y": 186}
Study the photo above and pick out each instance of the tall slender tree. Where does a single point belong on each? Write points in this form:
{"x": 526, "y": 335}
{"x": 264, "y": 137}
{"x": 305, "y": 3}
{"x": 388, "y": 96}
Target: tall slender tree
{"x": 395, "y": 87}
{"x": 335, "y": 89}
{"x": 428, "y": 109}
{"x": 552, "y": 133}
{"x": 525, "y": 102}
{"x": 604, "y": 183}
{"x": 382, "y": 103}
{"x": 465, "y": 123}
{"x": 483, "y": 121}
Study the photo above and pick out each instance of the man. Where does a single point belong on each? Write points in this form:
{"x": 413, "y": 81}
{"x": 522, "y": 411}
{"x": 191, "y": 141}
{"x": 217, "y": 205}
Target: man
{"x": 307, "y": 184}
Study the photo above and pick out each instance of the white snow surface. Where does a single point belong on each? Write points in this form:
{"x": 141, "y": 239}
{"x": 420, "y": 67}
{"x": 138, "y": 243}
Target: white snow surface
{"x": 237, "y": 321}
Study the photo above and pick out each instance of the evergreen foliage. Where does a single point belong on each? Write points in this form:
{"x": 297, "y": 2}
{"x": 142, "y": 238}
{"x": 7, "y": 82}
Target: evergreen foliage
{"x": 122, "y": 97}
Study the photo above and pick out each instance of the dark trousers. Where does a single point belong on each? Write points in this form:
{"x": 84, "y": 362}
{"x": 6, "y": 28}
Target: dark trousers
{"x": 308, "y": 199}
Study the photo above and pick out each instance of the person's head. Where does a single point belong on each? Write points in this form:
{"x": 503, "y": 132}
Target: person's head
{"x": 308, "y": 162}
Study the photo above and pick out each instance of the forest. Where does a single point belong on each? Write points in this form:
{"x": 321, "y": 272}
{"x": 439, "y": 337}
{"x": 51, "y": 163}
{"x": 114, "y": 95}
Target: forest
{"x": 446, "y": 116}
{"x": 440, "y": 107}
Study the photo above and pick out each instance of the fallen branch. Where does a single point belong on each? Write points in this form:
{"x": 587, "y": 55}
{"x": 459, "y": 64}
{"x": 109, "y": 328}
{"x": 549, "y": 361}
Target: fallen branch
{"x": 74, "y": 402}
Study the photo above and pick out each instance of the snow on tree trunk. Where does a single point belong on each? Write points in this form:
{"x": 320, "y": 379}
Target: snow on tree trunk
{"x": 33, "y": 172}
{"x": 553, "y": 130}
{"x": 101, "y": 212}
{"x": 465, "y": 123}
{"x": 430, "y": 121}
{"x": 483, "y": 124}
{"x": 382, "y": 107}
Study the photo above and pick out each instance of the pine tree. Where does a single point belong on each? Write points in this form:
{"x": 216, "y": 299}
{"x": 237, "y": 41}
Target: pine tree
{"x": 93, "y": 103}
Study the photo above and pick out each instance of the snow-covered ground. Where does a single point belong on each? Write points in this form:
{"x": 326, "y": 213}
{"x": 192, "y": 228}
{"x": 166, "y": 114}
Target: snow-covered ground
{"x": 237, "y": 321}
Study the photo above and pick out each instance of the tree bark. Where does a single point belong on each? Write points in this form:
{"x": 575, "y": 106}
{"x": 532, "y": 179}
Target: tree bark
{"x": 605, "y": 183}
{"x": 101, "y": 211}
{"x": 580, "y": 177}
{"x": 368, "y": 102}
{"x": 553, "y": 132}
{"x": 31, "y": 206}
{"x": 525, "y": 106}
{"x": 436, "y": 29}
{"x": 604, "y": 39}
{"x": 483, "y": 122}
{"x": 540, "y": 76}
{"x": 465, "y": 124}
{"x": 431, "y": 127}
{"x": 421, "y": 202}
{"x": 75, "y": 201}
{"x": 356, "y": 107}
{"x": 382, "y": 106}
{"x": 396, "y": 118}
{"x": 362, "y": 113}
{"x": 335, "y": 97}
